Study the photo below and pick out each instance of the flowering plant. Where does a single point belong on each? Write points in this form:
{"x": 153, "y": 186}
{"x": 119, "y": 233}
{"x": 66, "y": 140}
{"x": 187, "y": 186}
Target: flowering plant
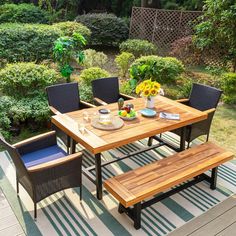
{"x": 148, "y": 89}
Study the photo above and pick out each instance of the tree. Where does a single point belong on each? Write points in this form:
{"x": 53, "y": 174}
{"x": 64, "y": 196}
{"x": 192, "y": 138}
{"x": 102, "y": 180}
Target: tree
{"x": 218, "y": 29}
{"x": 151, "y": 3}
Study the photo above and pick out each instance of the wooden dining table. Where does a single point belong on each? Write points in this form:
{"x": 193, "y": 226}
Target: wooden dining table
{"x": 97, "y": 141}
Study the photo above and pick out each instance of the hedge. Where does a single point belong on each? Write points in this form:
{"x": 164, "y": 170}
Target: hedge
{"x": 26, "y": 79}
{"x": 107, "y": 29}
{"x": 22, "y": 13}
{"x": 69, "y": 27}
{"x": 27, "y": 42}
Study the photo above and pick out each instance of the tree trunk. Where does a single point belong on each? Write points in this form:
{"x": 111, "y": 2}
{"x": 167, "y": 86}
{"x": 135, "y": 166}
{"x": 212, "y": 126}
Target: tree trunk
{"x": 151, "y": 3}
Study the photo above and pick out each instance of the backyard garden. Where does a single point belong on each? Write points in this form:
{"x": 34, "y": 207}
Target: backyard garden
{"x": 37, "y": 49}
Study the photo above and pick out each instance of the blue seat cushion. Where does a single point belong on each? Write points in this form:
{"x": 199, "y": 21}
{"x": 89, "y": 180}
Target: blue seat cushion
{"x": 43, "y": 155}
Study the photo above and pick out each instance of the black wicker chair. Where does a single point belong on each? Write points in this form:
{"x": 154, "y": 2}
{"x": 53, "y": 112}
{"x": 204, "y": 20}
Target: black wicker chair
{"x": 63, "y": 98}
{"x": 43, "y": 168}
{"x": 106, "y": 90}
{"x": 203, "y": 98}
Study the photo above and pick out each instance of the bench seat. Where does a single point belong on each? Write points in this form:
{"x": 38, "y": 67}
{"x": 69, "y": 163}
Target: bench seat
{"x": 142, "y": 183}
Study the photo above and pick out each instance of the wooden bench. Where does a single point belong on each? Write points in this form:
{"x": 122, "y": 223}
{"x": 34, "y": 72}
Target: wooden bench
{"x": 132, "y": 187}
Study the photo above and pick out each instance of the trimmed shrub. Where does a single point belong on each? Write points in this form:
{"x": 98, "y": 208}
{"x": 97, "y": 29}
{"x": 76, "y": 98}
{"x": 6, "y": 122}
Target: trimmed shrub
{"x": 228, "y": 85}
{"x": 123, "y": 62}
{"x": 162, "y": 69}
{"x": 86, "y": 77}
{"x": 27, "y": 42}
{"x": 70, "y": 27}
{"x": 90, "y": 74}
{"x": 138, "y": 47}
{"x": 107, "y": 29}
{"x": 26, "y": 79}
{"x": 23, "y": 13}
{"x": 94, "y": 58}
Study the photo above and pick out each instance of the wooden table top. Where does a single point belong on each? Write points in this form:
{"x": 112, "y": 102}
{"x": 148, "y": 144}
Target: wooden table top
{"x": 97, "y": 141}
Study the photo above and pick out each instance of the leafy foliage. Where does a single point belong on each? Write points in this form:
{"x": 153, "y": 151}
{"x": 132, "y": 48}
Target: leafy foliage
{"x": 90, "y": 74}
{"x": 107, "y": 29}
{"x": 70, "y": 27}
{"x": 23, "y": 13}
{"x": 123, "y": 61}
{"x": 86, "y": 77}
{"x": 94, "y": 58}
{"x": 185, "y": 51}
{"x": 218, "y": 30}
{"x": 67, "y": 49}
{"x": 27, "y": 42}
{"x": 26, "y": 79}
{"x": 228, "y": 85}
{"x": 161, "y": 69}
{"x": 138, "y": 47}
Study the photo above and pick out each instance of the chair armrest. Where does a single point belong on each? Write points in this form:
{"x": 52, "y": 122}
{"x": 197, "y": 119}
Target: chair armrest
{"x": 54, "y": 110}
{"x": 84, "y": 104}
{"x": 183, "y": 100}
{"x": 209, "y": 111}
{"x": 54, "y": 163}
{"x": 37, "y": 142}
{"x": 126, "y": 97}
{"x": 99, "y": 102}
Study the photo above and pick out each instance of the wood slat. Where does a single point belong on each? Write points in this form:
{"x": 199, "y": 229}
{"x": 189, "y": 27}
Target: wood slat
{"x": 161, "y": 175}
{"x": 97, "y": 141}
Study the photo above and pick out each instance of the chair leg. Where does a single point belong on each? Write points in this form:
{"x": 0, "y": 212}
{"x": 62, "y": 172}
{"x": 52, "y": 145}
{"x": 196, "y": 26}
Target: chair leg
{"x": 120, "y": 208}
{"x": 188, "y": 145}
{"x": 17, "y": 186}
{"x": 35, "y": 211}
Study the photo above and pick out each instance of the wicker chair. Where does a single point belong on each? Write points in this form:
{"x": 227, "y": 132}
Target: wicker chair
{"x": 63, "y": 98}
{"x": 43, "y": 168}
{"x": 203, "y": 98}
{"x": 106, "y": 90}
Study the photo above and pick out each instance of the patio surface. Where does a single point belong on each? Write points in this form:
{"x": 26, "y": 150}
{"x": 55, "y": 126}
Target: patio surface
{"x": 9, "y": 225}
{"x": 220, "y": 221}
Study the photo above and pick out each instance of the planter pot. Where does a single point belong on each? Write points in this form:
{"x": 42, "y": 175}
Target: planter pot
{"x": 150, "y": 102}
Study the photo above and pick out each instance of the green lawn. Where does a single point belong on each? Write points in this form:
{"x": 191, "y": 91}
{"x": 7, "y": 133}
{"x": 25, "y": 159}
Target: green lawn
{"x": 223, "y": 130}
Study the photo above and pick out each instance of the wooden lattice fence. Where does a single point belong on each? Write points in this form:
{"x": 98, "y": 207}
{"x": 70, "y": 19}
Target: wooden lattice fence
{"x": 162, "y": 27}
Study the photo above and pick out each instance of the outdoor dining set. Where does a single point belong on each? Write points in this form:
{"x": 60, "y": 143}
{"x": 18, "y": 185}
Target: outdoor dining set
{"x": 44, "y": 167}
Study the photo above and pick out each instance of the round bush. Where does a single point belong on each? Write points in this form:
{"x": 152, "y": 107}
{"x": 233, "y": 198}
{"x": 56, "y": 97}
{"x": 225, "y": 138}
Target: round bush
{"x": 26, "y": 79}
{"x": 27, "y": 42}
{"x": 161, "y": 69}
{"x": 69, "y": 27}
{"x": 138, "y": 47}
{"x": 90, "y": 74}
{"x": 23, "y": 13}
{"x": 107, "y": 29}
{"x": 228, "y": 85}
{"x": 86, "y": 77}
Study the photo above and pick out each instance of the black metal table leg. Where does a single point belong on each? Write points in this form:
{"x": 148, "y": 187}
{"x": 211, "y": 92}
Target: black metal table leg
{"x": 72, "y": 146}
{"x": 98, "y": 169}
{"x": 182, "y": 139}
{"x": 214, "y": 178}
{"x": 137, "y": 215}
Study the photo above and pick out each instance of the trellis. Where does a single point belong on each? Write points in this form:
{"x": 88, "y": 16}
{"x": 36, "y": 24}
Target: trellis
{"x": 162, "y": 27}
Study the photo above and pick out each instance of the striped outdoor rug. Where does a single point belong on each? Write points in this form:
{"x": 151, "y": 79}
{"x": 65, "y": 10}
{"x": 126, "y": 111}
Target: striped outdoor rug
{"x": 63, "y": 213}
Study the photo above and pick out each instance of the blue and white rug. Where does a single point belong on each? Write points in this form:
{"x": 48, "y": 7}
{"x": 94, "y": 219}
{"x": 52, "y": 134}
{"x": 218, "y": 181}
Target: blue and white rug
{"x": 63, "y": 213}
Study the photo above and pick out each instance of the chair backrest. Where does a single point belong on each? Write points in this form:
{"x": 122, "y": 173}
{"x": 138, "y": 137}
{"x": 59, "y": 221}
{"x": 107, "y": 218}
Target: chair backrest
{"x": 203, "y": 97}
{"x": 16, "y": 158}
{"x": 64, "y": 97}
{"x": 106, "y": 89}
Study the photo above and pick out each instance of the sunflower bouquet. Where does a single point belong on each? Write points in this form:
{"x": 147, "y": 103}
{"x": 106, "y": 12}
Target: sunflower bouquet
{"x": 148, "y": 89}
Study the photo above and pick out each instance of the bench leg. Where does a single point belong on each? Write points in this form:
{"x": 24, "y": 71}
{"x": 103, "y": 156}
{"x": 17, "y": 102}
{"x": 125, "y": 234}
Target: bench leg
{"x": 150, "y": 140}
{"x": 214, "y": 178}
{"x": 120, "y": 208}
{"x": 137, "y": 215}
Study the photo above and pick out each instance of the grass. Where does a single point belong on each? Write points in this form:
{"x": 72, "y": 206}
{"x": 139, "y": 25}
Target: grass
{"x": 223, "y": 130}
